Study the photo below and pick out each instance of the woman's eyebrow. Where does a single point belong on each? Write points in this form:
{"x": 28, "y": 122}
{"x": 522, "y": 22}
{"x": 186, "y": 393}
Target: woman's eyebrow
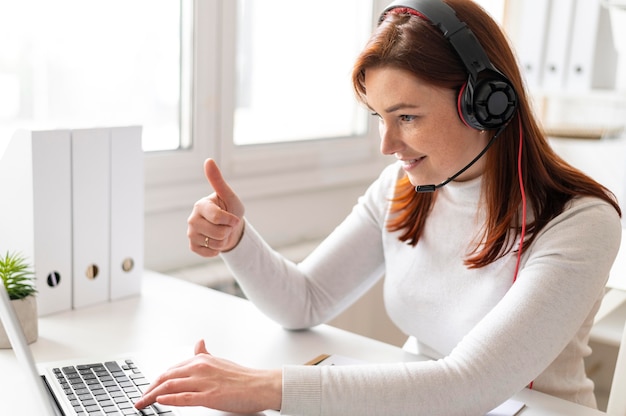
{"x": 401, "y": 106}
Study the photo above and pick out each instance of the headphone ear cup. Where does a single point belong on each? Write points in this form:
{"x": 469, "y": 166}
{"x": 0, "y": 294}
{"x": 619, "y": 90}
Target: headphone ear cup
{"x": 462, "y": 104}
{"x": 490, "y": 104}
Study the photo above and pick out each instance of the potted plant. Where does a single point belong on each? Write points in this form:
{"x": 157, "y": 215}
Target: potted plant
{"x": 19, "y": 281}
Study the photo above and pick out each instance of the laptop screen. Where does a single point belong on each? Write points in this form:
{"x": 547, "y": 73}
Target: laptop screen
{"x": 20, "y": 347}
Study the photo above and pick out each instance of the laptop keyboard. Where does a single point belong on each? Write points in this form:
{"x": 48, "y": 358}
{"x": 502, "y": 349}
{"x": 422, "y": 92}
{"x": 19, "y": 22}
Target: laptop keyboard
{"x": 106, "y": 389}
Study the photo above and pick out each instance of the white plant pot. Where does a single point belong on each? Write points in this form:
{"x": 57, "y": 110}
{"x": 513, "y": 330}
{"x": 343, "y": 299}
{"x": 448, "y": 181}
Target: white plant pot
{"x": 26, "y": 311}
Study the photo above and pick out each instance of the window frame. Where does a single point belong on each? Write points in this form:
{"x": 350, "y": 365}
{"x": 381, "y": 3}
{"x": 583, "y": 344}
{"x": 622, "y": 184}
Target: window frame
{"x": 174, "y": 178}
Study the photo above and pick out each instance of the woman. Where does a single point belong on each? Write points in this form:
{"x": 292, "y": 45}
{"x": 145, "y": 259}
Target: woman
{"x": 497, "y": 272}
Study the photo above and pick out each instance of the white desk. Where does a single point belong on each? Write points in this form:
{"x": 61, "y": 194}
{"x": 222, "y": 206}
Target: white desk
{"x": 164, "y": 323}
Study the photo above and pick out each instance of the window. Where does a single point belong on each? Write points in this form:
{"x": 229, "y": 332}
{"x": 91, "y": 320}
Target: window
{"x": 287, "y": 104}
{"x": 293, "y": 62}
{"x": 262, "y": 86}
{"x": 71, "y": 63}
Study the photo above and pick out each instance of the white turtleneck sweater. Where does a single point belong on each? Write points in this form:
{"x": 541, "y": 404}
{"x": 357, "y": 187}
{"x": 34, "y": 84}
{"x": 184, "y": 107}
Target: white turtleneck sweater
{"x": 487, "y": 336}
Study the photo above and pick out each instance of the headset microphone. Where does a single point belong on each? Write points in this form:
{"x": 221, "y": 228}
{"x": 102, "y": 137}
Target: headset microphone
{"x": 432, "y": 188}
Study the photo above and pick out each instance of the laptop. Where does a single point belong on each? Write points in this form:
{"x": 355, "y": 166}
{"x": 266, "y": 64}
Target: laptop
{"x": 82, "y": 388}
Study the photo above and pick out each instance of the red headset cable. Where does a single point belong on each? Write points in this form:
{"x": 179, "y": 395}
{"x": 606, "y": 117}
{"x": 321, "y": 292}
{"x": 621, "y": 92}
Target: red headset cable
{"x": 523, "y": 192}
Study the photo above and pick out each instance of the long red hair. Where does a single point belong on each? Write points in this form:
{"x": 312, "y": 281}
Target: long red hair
{"x": 409, "y": 42}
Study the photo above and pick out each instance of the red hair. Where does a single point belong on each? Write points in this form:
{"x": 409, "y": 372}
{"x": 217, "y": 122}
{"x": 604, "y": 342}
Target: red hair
{"x": 409, "y": 42}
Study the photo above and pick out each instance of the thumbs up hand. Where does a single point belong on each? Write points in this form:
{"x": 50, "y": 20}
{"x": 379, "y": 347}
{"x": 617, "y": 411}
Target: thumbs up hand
{"x": 216, "y": 221}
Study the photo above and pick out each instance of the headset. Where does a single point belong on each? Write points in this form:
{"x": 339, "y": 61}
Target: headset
{"x": 487, "y": 100}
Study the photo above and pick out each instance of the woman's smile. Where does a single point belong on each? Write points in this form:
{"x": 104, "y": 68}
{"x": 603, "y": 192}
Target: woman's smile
{"x": 410, "y": 164}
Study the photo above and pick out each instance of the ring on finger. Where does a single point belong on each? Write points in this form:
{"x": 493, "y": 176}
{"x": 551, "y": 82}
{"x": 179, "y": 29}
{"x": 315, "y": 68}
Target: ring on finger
{"x": 206, "y": 242}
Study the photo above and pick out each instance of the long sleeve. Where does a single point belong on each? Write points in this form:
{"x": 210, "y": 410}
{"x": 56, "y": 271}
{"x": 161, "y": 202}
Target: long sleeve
{"x": 488, "y": 336}
{"x": 345, "y": 265}
{"x": 537, "y": 331}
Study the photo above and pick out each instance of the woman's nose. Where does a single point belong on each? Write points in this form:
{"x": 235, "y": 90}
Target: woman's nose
{"x": 389, "y": 142}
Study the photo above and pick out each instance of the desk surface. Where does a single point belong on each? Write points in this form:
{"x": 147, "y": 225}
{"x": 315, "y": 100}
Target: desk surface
{"x": 163, "y": 324}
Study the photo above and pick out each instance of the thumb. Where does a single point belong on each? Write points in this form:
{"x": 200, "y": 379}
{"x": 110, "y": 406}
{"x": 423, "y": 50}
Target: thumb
{"x": 200, "y": 348}
{"x": 218, "y": 183}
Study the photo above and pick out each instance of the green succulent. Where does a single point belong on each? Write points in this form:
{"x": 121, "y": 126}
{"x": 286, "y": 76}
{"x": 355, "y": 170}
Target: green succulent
{"x": 17, "y": 276}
